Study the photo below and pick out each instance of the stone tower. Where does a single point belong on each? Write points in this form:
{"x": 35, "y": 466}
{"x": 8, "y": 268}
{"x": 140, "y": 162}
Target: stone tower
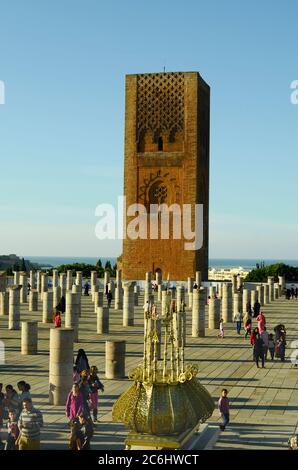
{"x": 166, "y": 161}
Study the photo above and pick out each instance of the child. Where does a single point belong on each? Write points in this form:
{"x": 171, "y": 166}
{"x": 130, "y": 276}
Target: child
{"x": 221, "y": 329}
{"x": 95, "y": 385}
{"x": 13, "y": 431}
{"x": 247, "y": 326}
{"x": 84, "y": 432}
{"x": 224, "y": 409}
{"x": 57, "y": 319}
{"x": 271, "y": 346}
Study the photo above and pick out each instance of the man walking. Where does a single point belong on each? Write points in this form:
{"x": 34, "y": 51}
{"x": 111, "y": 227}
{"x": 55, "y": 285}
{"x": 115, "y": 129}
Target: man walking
{"x": 30, "y": 422}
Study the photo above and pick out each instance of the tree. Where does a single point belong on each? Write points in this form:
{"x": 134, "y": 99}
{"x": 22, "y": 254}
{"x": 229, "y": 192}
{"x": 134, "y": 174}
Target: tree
{"x": 279, "y": 269}
{"x": 23, "y": 265}
{"x": 99, "y": 264}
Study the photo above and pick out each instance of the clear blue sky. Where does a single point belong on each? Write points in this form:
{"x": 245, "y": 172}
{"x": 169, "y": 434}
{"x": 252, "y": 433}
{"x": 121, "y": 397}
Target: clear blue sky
{"x": 64, "y": 62}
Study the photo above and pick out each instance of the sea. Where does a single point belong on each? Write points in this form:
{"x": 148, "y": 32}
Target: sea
{"x": 217, "y": 263}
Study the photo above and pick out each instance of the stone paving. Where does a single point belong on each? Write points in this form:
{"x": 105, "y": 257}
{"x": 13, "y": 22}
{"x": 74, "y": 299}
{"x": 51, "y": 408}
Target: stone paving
{"x": 264, "y": 410}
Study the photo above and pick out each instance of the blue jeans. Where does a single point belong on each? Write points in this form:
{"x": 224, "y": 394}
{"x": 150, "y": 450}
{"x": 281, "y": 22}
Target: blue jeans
{"x": 225, "y": 419}
{"x": 238, "y": 326}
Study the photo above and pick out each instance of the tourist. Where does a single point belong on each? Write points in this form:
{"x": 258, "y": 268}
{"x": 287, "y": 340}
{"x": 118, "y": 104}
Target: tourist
{"x": 12, "y": 401}
{"x": 57, "y": 319}
{"x": 253, "y": 337}
{"x": 221, "y": 333}
{"x": 224, "y": 408}
{"x": 75, "y": 375}
{"x": 265, "y": 338}
{"x": 30, "y": 422}
{"x": 154, "y": 313}
{"x": 259, "y": 350}
{"x": 61, "y": 305}
{"x": 24, "y": 388}
{"x": 257, "y": 308}
{"x": 95, "y": 385}
{"x": 271, "y": 346}
{"x": 109, "y": 298}
{"x": 281, "y": 347}
{"x": 238, "y": 320}
{"x": 261, "y": 322}
{"x": 74, "y": 403}
{"x": 248, "y": 308}
{"x": 247, "y": 325}
{"x": 86, "y": 288}
{"x": 81, "y": 361}
{"x": 85, "y": 389}
{"x": 84, "y": 432}
{"x": 12, "y": 431}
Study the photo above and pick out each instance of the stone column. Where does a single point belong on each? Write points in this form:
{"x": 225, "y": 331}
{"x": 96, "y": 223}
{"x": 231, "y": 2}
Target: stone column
{"x": 159, "y": 292}
{"x": 102, "y": 320}
{"x": 47, "y": 307}
{"x": 115, "y": 359}
{"x": 226, "y": 305}
{"x": 281, "y": 281}
{"x": 198, "y": 278}
{"x": 68, "y": 280}
{"x": 234, "y": 283}
{"x": 148, "y": 290}
{"x": 253, "y": 297}
{"x": 32, "y": 281}
{"x": 260, "y": 289}
{"x": 198, "y": 313}
{"x": 212, "y": 291}
{"x": 24, "y": 288}
{"x": 79, "y": 279}
{"x": 106, "y": 280}
{"x": 98, "y": 300}
{"x": 214, "y": 313}
{"x": 62, "y": 283}
{"x": 276, "y": 292}
{"x": 236, "y": 303}
{"x": 29, "y": 337}
{"x": 271, "y": 288}
{"x": 189, "y": 291}
{"x": 219, "y": 289}
{"x": 38, "y": 281}
{"x": 246, "y": 299}
{"x": 266, "y": 294}
{"x": 128, "y": 304}
{"x": 14, "y": 308}
{"x": 239, "y": 282}
{"x": 158, "y": 278}
{"x": 119, "y": 297}
{"x": 4, "y": 303}
{"x": 94, "y": 290}
{"x": 56, "y": 295}
{"x": 55, "y": 278}
{"x": 164, "y": 300}
{"x": 136, "y": 296}
{"x": 72, "y": 313}
{"x": 33, "y": 301}
{"x": 61, "y": 364}
{"x": 180, "y": 296}
{"x": 16, "y": 278}
{"x": 44, "y": 284}
{"x": 111, "y": 287}
{"x": 2, "y": 281}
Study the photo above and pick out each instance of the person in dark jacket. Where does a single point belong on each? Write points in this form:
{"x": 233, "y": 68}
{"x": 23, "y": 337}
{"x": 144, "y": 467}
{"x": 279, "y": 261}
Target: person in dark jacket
{"x": 81, "y": 361}
{"x": 109, "y": 298}
{"x": 61, "y": 306}
{"x": 84, "y": 432}
{"x": 257, "y": 308}
{"x": 259, "y": 350}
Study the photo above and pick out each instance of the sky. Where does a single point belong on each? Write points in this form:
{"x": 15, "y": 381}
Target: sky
{"x": 63, "y": 64}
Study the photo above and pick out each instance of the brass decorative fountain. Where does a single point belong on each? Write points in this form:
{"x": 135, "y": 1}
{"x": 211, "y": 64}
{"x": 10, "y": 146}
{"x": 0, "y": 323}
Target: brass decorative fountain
{"x": 166, "y": 403}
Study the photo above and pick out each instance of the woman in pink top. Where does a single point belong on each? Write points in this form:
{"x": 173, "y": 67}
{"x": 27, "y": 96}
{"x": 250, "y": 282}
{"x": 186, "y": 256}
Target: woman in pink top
{"x": 74, "y": 403}
{"x": 261, "y": 322}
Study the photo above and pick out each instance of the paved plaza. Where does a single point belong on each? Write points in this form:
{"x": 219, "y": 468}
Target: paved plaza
{"x": 264, "y": 402}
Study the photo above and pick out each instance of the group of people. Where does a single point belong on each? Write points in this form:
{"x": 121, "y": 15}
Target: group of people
{"x": 23, "y": 420}
{"x": 81, "y": 401}
{"x": 261, "y": 340}
{"x": 291, "y": 293}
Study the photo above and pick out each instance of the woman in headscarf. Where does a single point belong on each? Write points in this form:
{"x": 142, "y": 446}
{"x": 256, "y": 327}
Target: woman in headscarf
{"x": 81, "y": 361}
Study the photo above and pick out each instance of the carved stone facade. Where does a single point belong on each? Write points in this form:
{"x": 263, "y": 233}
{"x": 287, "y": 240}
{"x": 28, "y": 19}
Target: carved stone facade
{"x": 166, "y": 161}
